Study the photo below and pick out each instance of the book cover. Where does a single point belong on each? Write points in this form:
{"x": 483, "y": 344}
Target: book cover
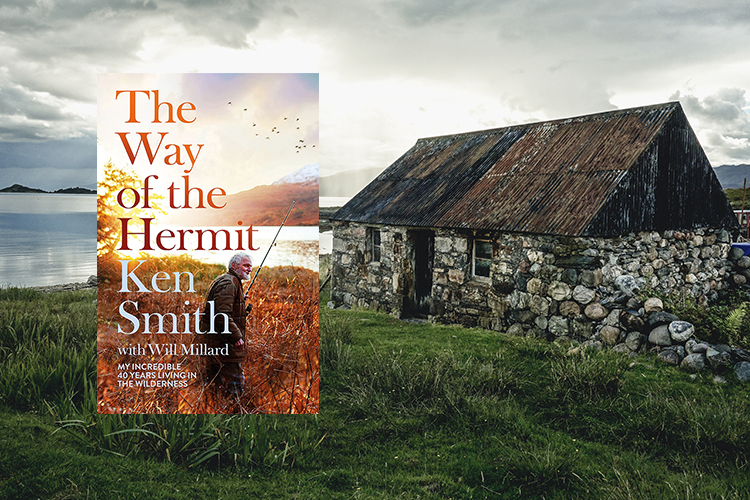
{"x": 207, "y": 243}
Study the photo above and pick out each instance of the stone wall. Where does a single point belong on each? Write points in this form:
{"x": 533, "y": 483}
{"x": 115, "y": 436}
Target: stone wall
{"x": 546, "y": 286}
{"x": 356, "y": 282}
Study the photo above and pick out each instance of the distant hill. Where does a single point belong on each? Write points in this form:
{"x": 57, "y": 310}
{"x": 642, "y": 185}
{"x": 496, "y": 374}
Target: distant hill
{"x": 18, "y": 188}
{"x": 265, "y": 205}
{"x": 349, "y": 183}
{"x": 732, "y": 176}
{"x": 75, "y": 190}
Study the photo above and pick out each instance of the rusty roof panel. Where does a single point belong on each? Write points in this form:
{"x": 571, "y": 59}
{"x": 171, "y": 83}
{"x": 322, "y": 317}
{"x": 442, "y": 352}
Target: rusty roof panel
{"x": 550, "y": 177}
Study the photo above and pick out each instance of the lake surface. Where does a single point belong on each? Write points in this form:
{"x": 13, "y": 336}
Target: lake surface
{"x": 295, "y": 246}
{"x": 326, "y": 237}
{"x": 47, "y": 239}
{"x": 50, "y": 239}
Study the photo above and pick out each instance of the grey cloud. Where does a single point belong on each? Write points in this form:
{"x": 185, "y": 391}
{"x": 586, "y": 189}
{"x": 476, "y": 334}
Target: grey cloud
{"x": 724, "y": 108}
{"x": 19, "y": 16}
{"x": 14, "y": 101}
{"x": 724, "y": 123}
{"x": 420, "y": 12}
{"x": 57, "y": 47}
{"x": 28, "y": 115}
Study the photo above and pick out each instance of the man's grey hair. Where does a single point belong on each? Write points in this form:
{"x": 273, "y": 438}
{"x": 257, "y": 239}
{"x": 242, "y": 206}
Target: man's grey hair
{"x": 236, "y": 258}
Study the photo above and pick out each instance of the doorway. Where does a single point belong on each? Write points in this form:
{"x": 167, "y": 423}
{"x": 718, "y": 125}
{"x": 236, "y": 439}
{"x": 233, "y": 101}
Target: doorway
{"x": 424, "y": 253}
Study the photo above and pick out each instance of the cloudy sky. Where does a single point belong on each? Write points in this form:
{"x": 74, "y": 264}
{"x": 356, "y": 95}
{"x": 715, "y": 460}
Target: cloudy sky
{"x": 236, "y": 131}
{"x": 390, "y": 71}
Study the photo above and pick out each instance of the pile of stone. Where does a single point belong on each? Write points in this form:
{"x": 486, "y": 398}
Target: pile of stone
{"x": 645, "y": 326}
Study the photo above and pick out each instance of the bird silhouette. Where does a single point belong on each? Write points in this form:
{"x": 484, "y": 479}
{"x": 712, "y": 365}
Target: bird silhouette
{"x": 230, "y": 102}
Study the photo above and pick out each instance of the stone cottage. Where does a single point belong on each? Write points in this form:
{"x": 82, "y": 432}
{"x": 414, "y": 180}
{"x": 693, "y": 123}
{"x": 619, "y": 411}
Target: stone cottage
{"x": 539, "y": 225}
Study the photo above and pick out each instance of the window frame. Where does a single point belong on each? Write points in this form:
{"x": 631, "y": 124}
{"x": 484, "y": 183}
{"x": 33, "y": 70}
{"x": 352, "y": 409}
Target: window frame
{"x": 374, "y": 250}
{"x": 475, "y": 258}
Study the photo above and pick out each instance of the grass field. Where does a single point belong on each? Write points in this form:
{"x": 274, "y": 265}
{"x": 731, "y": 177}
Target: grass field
{"x": 406, "y": 411}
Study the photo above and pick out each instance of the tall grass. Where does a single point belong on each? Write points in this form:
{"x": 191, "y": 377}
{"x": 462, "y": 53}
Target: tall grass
{"x": 436, "y": 412}
{"x": 190, "y": 440}
{"x": 281, "y": 365}
{"x": 48, "y": 364}
{"x": 47, "y": 345}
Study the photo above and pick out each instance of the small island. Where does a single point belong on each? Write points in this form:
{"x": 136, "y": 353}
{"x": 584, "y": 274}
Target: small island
{"x": 18, "y": 188}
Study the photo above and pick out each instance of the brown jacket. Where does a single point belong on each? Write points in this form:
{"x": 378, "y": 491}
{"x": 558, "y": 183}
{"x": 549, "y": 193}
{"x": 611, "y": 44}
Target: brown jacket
{"x": 228, "y": 298}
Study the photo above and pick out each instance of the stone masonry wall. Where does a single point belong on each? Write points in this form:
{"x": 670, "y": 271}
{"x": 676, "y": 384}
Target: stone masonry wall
{"x": 355, "y": 282}
{"x": 546, "y": 286}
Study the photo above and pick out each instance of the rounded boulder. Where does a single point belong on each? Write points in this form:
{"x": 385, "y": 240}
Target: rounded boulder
{"x": 681, "y": 331}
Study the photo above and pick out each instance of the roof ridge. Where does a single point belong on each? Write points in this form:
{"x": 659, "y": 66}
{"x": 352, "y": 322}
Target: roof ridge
{"x": 585, "y": 117}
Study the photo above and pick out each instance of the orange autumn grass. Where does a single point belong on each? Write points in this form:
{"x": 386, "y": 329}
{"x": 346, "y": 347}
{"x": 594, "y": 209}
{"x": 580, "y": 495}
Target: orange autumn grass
{"x": 281, "y": 369}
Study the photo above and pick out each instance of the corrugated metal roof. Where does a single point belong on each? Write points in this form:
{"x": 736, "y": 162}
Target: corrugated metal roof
{"x": 548, "y": 178}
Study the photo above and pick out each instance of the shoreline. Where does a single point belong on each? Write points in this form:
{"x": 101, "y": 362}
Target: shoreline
{"x": 66, "y": 287}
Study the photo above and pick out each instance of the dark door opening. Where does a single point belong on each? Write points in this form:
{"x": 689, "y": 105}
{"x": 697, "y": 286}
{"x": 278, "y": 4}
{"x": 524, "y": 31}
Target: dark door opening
{"x": 424, "y": 251}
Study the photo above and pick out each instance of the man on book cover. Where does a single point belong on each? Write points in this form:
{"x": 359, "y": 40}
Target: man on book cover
{"x": 223, "y": 324}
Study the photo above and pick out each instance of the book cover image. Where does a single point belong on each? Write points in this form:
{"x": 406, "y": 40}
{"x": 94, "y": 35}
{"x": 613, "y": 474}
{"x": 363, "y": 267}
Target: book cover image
{"x": 207, "y": 243}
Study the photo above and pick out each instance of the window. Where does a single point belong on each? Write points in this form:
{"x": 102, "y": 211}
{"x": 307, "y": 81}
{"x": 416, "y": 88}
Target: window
{"x": 482, "y": 258}
{"x": 373, "y": 244}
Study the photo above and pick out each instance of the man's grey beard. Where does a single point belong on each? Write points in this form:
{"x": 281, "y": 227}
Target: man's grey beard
{"x": 242, "y": 274}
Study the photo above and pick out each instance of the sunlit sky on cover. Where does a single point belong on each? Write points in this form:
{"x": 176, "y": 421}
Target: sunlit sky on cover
{"x": 254, "y": 128}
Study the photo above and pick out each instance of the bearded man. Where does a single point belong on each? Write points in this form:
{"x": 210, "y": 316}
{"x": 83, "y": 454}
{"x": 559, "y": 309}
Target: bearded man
{"x": 224, "y": 372}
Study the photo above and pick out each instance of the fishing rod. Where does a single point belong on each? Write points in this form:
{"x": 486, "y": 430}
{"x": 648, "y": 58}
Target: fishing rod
{"x": 272, "y": 243}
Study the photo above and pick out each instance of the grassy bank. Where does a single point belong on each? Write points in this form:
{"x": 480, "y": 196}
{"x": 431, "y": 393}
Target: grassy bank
{"x": 407, "y": 411}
